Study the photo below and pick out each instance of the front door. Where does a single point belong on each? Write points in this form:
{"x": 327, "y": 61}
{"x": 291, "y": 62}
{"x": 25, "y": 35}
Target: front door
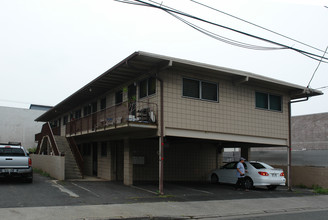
{"x": 94, "y": 159}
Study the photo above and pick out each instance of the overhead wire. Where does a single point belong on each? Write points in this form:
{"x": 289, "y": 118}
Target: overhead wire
{"x": 251, "y": 23}
{"x": 317, "y": 68}
{"x": 174, "y": 11}
{"x": 224, "y": 39}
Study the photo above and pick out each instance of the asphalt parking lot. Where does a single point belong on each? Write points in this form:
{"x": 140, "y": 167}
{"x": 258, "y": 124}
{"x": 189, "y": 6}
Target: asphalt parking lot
{"x": 45, "y": 191}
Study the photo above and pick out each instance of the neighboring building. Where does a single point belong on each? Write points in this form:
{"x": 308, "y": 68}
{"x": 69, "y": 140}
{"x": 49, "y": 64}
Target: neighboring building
{"x": 120, "y": 122}
{"x": 310, "y": 132}
{"x": 18, "y": 125}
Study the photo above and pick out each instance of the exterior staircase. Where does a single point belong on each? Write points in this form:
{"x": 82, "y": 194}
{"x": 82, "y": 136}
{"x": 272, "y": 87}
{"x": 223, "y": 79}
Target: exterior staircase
{"x": 72, "y": 170}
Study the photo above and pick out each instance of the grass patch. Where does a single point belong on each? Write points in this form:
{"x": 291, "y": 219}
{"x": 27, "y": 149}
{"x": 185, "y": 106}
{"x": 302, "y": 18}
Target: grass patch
{"x": 320, "y": 190}
{"x": 41, "y": 172}
{"x": 165, "y": 196}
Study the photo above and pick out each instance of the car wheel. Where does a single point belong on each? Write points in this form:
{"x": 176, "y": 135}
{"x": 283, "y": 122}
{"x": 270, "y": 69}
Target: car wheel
{"x": 272, "y": 187}
{"x": 248, "y": 183}
{"x": 214, "y": 178}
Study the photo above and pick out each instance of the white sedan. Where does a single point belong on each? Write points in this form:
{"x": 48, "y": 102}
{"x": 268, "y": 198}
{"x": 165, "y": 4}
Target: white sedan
{"x": 258, "y": 174}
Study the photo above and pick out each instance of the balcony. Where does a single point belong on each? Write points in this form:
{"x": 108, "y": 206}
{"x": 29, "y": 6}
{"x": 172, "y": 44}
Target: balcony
{"x": 126, "y": 114}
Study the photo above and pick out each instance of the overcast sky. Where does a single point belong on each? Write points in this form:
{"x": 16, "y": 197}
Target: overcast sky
{"x": 50, "y": 49}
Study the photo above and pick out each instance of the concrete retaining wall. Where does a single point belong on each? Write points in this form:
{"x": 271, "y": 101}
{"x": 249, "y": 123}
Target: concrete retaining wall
{"x": 54, "y": 165}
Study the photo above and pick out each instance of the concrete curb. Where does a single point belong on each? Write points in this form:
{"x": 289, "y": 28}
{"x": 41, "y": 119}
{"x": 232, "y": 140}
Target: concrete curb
{"x": 169, "y": 210}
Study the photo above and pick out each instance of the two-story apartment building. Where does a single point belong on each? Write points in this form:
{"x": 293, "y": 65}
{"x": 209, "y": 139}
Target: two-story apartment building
{"x": 152, "y": 117}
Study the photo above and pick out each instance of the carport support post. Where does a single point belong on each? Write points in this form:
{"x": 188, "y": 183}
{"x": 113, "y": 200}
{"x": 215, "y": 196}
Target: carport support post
{"x": 219, "y": 156}
{"x": 245, "y": 152}
{"x": 128, "y": 164}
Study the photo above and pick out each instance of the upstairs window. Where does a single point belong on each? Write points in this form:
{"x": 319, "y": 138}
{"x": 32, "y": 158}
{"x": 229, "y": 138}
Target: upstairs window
{"x": 103, "y": 104}
{"x": 147, "y": 87}
{"x": 65, "y": 119}
{"x": 87, "y": 110}
{"x": 268, "y": 101}
{"x": 200, "y": 89}
{"x": 78, "y": 114}
{"x": 119, "y": 97}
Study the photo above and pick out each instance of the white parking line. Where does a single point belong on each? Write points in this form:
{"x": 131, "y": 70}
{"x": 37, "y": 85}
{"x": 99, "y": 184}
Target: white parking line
{"x": 146, "y": 190}
{"x": 63, "y": 189}
{"x": 202, "y": 191}
{"x": 81, "y": 187}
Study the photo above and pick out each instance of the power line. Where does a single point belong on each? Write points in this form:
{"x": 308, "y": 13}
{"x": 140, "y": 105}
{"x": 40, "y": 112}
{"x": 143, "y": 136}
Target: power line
{"x": 317, "y": 67}
{"x": 174, "y": 11}
{"x": 224, "y": 39}
{"x": 248, "y": 22}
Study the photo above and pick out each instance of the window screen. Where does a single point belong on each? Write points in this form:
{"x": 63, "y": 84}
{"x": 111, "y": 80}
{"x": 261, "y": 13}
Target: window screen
{"x": 143, "y": 89}
{"x": 151, "y": 86}
{"x": 119, "y": 97}
{"x": 209, "y": 91}
{"x": 191, "y": 88}
{"x": 261, "y": 100}
{"x": 275, "y": 102}
{"x": 103, "y": 103}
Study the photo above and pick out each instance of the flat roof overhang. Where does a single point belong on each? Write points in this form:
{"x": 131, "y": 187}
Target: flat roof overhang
{"x": 139, "y": 63}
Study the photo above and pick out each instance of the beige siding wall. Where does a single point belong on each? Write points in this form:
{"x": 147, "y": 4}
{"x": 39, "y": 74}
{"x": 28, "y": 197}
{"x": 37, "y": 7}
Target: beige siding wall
{"x": 104, "y": 163}
{"x": 235, "y": 113}
{"x": 87, "y": 165}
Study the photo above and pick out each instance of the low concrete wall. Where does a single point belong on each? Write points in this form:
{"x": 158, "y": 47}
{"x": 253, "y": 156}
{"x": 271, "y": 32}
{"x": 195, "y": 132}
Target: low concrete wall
{"x": 308, "y": 176}
{"x": 54, "y": 165}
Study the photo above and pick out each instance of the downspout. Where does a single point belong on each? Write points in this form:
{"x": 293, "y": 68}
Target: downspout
{"x": 289, "y": 152}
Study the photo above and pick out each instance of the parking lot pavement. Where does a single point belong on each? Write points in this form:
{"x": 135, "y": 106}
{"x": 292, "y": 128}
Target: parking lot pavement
{"x": 47, "y": 192}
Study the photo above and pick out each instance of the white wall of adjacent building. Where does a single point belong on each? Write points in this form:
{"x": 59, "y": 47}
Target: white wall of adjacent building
{"x": 18, "y": 125}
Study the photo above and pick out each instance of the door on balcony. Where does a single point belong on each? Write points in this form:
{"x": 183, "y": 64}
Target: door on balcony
{"x": 132, "y": 92}
{"x": 94, "y": 159}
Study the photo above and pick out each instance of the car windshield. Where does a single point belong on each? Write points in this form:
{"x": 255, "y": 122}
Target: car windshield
{"x": 14, "y": 152}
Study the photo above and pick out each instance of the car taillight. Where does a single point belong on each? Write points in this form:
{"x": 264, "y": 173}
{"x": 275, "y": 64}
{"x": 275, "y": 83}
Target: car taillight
{"x": 263, "y": 173}
{"x": 282, "y": 174}
{"x": 30, "y": 162}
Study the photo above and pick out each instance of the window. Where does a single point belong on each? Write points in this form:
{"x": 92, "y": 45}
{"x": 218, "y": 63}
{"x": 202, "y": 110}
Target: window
{"x": 191, "y": 88}
{"x": 147, "y": 87}
{"x": 104, "y": 149}
{"x": 119, "y": 97}
{"x": 209, "y": 91}
{"x": 199, "y": 89}
{"x": 94, "y": 107}
{"x": 257, "y": 165}
{"x": 65, "y": 119}
{"x": 78, "y": 114}
{"x": 87, "y": 110}
{"x": 103, "y": 103}
{"x": 12, "y": 152}
{"x": 231, "y": 165}
{"x": 268, "y": 101}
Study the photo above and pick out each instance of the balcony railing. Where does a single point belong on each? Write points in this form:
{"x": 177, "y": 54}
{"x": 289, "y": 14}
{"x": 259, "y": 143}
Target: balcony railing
{"x": 113, "y": 117}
